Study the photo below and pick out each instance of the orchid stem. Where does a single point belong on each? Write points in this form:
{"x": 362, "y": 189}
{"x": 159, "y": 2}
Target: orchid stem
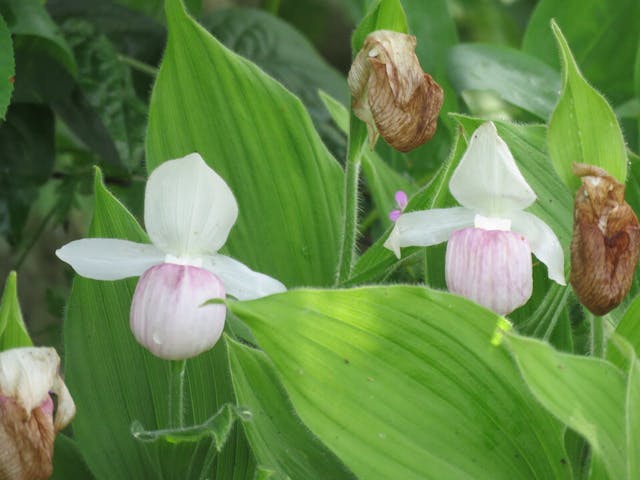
{"x": 357, "y": 136}
{"x": 138, "y": 65}
{"x": 597, "y": 337}
{"x": 176, "y": 393}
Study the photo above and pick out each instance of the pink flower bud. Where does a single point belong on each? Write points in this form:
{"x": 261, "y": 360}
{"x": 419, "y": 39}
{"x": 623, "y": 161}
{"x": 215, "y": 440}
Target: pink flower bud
{"x": 168, "y": 312}
{"x": 490, "y": 267}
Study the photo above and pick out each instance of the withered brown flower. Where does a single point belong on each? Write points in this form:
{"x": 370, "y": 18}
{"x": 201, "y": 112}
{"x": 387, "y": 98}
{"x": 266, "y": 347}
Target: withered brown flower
{"x": 392, "y": 94}
{"x": 606, "y": 241}
{"x": 28, "y": 424}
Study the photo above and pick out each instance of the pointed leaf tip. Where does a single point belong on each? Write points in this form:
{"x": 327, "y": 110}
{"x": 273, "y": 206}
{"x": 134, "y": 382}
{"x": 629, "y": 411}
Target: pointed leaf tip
{"x": 583, "y": 127}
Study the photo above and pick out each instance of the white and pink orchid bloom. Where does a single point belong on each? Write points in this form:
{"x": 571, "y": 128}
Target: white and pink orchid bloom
{"x": 189, "y": 211}
{"x": 490, "y": 236}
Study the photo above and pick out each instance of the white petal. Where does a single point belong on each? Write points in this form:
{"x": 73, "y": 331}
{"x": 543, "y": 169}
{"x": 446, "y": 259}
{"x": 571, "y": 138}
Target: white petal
{"x": 188, "y": 208}
{"x": 239, "y": 280}
{"x": 109, "y": 258}
{"x": 169, "y": 314}
{"x": 427, "y": 227}
{"x": 544, "y": 243}
{"x": 487, "y": 178}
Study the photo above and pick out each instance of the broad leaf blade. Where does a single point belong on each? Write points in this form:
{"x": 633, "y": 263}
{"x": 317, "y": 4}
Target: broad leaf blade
{"x": 13, "y": 331}
{"x": 516, "y": 77}
{"x": 279, "y": 440}
{"x": 583, "y": 127}
{"x": 404, "y": 382}
{"x": 588, "y": 394}
{"x": 260, "y": 139}
{"x": 114, "y": 381}
{"x": 606, "y": 59}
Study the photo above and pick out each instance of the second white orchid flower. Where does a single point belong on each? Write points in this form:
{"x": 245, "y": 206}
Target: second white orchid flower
{"x": 188, "y": 212}
{"x": 490, "y": 236}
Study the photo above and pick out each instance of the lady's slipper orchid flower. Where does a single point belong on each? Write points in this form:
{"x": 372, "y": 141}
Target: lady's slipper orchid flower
{"x": 28, "y": 424}
{"x": 490, "y": 237}
{"x": 189, "y": 211}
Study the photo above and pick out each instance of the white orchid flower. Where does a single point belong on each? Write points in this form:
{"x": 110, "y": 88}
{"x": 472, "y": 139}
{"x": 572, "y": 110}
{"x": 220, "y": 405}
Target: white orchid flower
{"x": 490, "y": 236}
{"x": 188, "y": 213}
{"x": 28, "y": 424}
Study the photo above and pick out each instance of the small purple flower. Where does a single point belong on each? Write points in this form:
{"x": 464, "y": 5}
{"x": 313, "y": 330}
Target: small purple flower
{"x": 401, "y": 202}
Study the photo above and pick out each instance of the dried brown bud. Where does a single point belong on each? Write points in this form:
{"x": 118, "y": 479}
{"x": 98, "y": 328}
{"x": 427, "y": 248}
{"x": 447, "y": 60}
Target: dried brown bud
{"x": 28, "y": 423}
{"x": 392, "y": 94}
{"x": 606, "y": 241}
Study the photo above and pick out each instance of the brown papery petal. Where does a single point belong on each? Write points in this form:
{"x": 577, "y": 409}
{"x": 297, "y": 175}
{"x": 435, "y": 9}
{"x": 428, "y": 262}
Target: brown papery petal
{"x": 26, "y": 442}
{"x": 392, "y": 94}
{"x": 606, "y": 241}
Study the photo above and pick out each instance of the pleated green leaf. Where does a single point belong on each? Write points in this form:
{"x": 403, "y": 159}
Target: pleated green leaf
{"x": 583, "y": 127}
{"x": 279, "y": 440}
{"x": 405, "y": 382}
{"x": 605, "y": 59}
{"x": 68, "y": 463}
{"x": 591, "y": 396}
{"x": 260, "y": 139}
{"x": 114, "y": 381}
{"x": 13, "y": 331}
{"x": 516, "y": 77}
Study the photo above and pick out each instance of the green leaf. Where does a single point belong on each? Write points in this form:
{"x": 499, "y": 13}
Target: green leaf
{"x": 13, "y": 331}
{"x": 385, "y": 15}
{"x": 516, "y": 77}
{"x": 583, "y": 127}
{"x": 116, "y": 125}
{"x": 287, "y": 55}
{"x": 279, "y": 440}
{"x": 27, "y": 155}
{"x": 67, "y": 460}
{"x": 606, "y": 60}
{"x": 629, "y": 328}
{"x": 7, "y": 68}
{"x": 260, "y": 139}
{"x": 588, "y": 394}
{"x": 114, "y": 381}
{"x": 29, "y": 19}
{"x": 404, "y": 382}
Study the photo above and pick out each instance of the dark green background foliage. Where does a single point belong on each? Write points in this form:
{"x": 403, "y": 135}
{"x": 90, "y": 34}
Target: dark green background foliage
{"x": 372, "y": 382}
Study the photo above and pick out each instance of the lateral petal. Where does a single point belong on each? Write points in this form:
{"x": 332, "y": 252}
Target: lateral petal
{"x": 188, "y": 208}
{"x": 427, "y": 227}
{"x": 239, "y": 280}
{"x": 109, "y": 258}
{"x": 543, "y": 242}
{"x": 487, "y": 179}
